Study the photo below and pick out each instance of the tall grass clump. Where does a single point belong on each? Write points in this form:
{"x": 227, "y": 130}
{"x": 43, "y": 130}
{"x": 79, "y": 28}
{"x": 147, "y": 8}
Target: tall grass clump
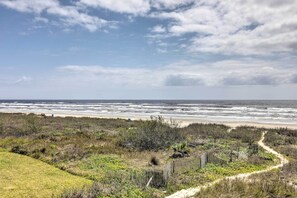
{"x": 154, "y": 134}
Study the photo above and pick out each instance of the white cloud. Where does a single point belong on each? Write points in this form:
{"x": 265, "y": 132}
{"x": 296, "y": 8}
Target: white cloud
{"x": 14, "y": 80}
{"x": 113, "y": 75}
{"x": 127, "y": 6}
{"x": 222, "y": 73}
{"x": 135, "y": 7}
{"x": 250, "y": 27}
{"x": 236, "y": 27}
{"x": 158, "y": 29}
{"x": 162, "y": 50}
{"x": 23, "y": 79}
{"x": 41, "y": 19}
{"x": 71, "y": 16}
{"x": 35, "y": 6}
{"x": 68, "y": 15}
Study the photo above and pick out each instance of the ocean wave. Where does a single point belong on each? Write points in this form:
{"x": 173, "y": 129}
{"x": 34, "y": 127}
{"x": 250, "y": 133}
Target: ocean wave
{"x": 286, "y": 113}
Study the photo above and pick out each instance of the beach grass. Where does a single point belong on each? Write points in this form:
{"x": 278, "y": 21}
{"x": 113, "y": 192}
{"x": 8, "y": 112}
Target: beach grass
{"x": 23, "y": 176}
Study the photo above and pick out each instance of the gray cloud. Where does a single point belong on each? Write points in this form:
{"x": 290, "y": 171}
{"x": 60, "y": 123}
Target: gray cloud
{"x": 170, "y": 4}
{"x": 135, "y": 7}
{"x": 294, "y": 79}
{"x": 221, "y": 73}
{"x": 256, "y": 80}
{"x": 179, "y": 80}
{"x": 276, "y": 3}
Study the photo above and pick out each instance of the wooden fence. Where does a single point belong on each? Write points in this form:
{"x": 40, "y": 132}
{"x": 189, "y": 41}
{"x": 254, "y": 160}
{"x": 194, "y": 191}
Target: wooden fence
{"x": 161, "y": 177}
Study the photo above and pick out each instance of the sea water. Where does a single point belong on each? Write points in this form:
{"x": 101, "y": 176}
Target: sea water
{"x": 260, "y": 111}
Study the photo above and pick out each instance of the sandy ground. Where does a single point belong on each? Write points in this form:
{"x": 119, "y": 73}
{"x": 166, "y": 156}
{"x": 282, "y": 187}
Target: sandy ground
{"x": 183, "y": 121}
{"x": 192, "y": 191}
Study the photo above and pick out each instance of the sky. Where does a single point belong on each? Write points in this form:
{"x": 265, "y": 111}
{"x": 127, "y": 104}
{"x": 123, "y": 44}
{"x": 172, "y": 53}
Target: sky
{"x": 148, "y": 49}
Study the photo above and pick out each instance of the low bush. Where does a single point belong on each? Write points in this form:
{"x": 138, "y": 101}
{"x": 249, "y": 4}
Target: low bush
{"x": 19, "y": 150}
{"x": 180, "y": 150}
{"x": 154, "y": 134}
{"x": 204, "y": 131}
{"x": 32, "y": 124}
{"x": 289, "y": 151}
{"x": 286, "y": 132}
{"x": 246, "y": 134}
{"x": 274, "y": 139}
{"x": 253, "y": 149}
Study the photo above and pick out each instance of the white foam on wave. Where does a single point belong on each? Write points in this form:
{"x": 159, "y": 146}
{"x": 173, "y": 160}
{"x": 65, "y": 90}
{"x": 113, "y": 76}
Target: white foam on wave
{"x": 262, "y": 114}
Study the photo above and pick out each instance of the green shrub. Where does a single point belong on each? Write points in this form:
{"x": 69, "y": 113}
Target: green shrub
{"x": 154, "y": 134}
{"x": 253, "y": 149}
{"x": 286, "y": 132}
{"x": 274, "y": 139}
{"x": 180, "y": 150}
{"x": 246, "y": 134}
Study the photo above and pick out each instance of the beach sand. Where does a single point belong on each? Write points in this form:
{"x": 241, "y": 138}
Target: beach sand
{"x": 183, "y": 121}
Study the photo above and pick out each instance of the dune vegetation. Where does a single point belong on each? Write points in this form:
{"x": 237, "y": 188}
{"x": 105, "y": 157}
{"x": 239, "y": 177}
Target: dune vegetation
{"x": 277, "y": 183}
{"x": 116, "y": 157}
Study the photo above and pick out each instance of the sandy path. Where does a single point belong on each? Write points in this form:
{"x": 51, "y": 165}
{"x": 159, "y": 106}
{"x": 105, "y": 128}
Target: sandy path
{"x": 192, "y": 191}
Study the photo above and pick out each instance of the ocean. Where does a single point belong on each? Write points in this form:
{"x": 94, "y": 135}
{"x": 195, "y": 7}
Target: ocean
{"x": 260, "y": 111}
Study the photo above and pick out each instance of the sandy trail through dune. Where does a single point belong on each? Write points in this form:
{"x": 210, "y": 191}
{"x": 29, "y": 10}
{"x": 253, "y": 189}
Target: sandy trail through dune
{"x": 192, "y": 191}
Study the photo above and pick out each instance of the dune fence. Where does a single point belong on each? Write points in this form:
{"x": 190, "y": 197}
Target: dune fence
{"x": 159, "y": 178}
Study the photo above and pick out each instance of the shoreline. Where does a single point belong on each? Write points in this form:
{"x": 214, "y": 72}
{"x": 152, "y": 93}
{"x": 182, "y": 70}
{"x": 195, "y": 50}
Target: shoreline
{"x": 182, "y": 121}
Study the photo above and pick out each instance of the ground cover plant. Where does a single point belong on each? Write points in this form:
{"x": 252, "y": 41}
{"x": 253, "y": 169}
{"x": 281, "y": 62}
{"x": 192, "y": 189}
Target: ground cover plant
{"x": 278, "y": 183}
{"x": 115, "y": 154}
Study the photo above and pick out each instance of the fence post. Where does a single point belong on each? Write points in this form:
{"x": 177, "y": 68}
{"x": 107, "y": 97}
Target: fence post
{"x": 203, "y": 160}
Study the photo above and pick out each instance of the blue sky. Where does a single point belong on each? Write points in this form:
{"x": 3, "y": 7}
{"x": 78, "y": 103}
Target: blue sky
{"x": 148, "y": 49}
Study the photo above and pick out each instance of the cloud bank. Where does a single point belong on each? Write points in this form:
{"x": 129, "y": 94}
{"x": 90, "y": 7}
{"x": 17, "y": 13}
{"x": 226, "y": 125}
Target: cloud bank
{"x": 242, "y": 72}
{"x": 236, "y": 27}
